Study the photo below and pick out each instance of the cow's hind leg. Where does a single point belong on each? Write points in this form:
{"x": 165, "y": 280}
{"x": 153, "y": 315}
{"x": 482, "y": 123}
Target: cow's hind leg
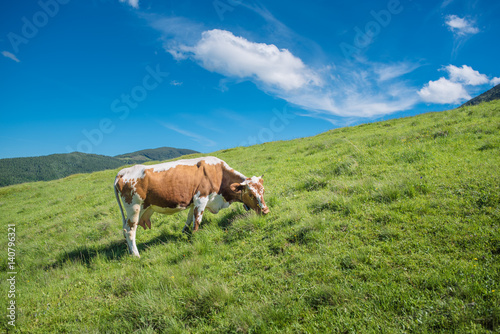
{"x": 130, "y": 227}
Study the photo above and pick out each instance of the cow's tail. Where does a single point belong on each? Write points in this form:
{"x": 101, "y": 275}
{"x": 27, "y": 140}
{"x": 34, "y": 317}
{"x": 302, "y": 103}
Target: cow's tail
{"x": 118, "y": 199}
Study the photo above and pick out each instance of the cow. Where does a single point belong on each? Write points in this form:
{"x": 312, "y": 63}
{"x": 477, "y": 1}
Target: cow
{"x": 194, "y": 184}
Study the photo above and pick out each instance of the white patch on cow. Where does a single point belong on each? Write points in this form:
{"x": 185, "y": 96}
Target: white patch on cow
{"x": 255, "y": 179}
{"x": 135, "y": 196}
{"x": 185, "y": 162}
{"x": 133, "y": 173}
{"x": 200, "y": 202}
{"x": 216, "y": 202}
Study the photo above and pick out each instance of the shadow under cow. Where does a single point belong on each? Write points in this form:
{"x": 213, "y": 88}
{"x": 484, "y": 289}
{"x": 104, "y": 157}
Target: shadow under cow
{"x": 117, "y": 249}
{"x": 114, "y": 250}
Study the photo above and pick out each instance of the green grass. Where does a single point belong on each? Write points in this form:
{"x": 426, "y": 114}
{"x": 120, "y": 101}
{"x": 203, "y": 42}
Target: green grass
{"x": 389, "y": 227}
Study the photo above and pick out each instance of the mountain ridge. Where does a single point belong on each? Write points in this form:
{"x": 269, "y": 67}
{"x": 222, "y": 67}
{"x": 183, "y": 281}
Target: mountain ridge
{"x": 155, "y": 154}
{"x": 56, "y": 166}
{"x": 489, "y": 95}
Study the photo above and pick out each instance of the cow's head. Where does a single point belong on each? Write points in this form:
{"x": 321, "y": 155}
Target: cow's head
{"x": 251, "y": 192}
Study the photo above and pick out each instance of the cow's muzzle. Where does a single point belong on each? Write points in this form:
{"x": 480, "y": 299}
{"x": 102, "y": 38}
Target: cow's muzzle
{"x": 264, "y": 211}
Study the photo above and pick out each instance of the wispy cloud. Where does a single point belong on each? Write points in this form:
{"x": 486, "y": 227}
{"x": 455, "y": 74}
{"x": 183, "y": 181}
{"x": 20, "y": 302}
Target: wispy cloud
{"x": 175, "y": 83}
{"x": 462, "y": 29}
{"x": 392, "y": 71}
{"x": 194, "y": 136}
{"x": 495, "y": 81}
{"x": 445, "y": 3}
{"x": 133, "y": 3}
{"x": 461, "y": 26}
{"x": 178, "y": 33}
{"x": 358, "y": 90}
{"x": 11, "y": 56}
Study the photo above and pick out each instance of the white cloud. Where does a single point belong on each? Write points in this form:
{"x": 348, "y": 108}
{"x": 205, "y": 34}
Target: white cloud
{"x": 495, "y": 81}
{"x": 454, "y": 89}
{"x": 340, "y": 91}
{"x": 443, "y": 91}
{"x": 11, "y": 56}
{"x": 461, "y": 26}
{"x": 466, "y": 75}
{"x": 222, "y": 52}
{"x": 133, "y": 3}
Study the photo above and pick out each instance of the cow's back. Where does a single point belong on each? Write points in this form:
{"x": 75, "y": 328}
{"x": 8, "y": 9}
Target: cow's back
{"x": 174, "y": 186}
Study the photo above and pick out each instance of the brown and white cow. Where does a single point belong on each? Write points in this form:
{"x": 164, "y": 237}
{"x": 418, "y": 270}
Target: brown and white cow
{"x": 194, "y": 184}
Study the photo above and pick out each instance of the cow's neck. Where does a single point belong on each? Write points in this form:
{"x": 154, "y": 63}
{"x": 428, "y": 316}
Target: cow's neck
{"x": 229, "y": 177}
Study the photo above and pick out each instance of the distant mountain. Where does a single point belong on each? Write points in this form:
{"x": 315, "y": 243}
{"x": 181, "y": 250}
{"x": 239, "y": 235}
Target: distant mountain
{"x": 492, "y": 94}
{"x": 157, "y": 154}
{"x": 56, "y": 166}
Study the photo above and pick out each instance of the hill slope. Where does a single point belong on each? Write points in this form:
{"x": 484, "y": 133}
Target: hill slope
{"x": 391, "y": 226}
{"x": 56, "y": 166}
{"x": 490, "y": 95}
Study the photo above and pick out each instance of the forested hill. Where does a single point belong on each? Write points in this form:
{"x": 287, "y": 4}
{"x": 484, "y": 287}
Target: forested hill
{"x": 157, "y": 154}
{"x": 56, "y": 166}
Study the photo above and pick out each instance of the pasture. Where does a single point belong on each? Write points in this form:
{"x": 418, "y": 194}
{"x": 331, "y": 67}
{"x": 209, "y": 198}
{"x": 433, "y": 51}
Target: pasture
{"x": 389, "y": 227}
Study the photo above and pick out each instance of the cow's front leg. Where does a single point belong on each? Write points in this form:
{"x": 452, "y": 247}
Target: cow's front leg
{"x": 189, "y": 220}
{"x": 200, "y": 203}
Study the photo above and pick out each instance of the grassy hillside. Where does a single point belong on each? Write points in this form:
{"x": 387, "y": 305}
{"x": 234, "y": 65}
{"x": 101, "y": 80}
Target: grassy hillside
{"x": 56, "y": 166}
{"x": 389, "y": 227}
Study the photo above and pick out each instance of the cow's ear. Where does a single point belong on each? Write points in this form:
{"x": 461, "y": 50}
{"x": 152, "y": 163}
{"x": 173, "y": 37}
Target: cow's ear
{"x": 236, "y": 187}
{"x": 261, "y": 180}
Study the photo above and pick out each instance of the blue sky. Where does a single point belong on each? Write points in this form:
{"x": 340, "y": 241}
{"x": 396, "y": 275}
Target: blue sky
{"x": 112, "y": 76}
